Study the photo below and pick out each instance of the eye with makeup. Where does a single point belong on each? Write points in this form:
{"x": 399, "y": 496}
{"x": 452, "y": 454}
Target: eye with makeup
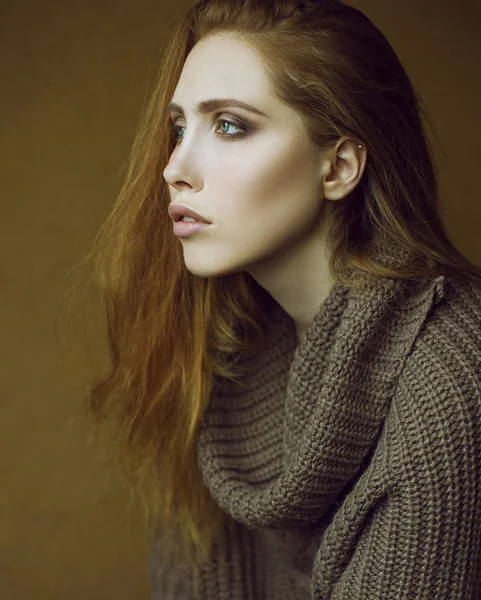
{"x": 243, "y": 130}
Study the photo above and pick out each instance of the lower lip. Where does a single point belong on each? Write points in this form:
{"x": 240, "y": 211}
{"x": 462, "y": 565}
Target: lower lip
{"x": 184, "y": 229}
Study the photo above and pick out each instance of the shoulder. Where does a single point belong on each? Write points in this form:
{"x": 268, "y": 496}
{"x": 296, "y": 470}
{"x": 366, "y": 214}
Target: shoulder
{"x": 435, "y": 413}
{"x": 447, "y": 350}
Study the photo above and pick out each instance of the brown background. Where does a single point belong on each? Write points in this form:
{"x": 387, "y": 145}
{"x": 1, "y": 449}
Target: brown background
{"x": 74, "y": 77}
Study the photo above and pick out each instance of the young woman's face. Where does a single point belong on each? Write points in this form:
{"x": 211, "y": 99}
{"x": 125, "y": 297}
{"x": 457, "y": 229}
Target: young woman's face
{"x": 253, "y": 178}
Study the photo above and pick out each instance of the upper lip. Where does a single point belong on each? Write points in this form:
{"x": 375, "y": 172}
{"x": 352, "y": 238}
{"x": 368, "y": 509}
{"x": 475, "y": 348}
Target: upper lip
{"x": 177, "y": 211}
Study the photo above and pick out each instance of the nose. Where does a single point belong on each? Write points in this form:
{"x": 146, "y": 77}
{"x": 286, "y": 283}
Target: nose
{"x": 166, "y": 173}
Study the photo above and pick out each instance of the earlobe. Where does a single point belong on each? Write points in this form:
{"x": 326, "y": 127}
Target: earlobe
{"x": 334, "y": 191}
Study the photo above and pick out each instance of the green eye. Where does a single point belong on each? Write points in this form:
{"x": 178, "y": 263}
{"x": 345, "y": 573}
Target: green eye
{"x": 241, "y": 131}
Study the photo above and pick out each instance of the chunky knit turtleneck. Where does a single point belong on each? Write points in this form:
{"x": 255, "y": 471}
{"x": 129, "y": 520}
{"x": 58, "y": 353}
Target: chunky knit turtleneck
{"x": 349, "y": 465}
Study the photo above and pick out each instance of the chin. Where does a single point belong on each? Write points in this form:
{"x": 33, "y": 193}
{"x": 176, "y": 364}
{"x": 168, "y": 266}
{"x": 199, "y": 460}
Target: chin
{"x": 206, "y": 271}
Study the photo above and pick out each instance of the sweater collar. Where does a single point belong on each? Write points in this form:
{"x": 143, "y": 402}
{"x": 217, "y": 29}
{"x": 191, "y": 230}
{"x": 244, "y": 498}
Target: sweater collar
{"x": 279, "y": 449}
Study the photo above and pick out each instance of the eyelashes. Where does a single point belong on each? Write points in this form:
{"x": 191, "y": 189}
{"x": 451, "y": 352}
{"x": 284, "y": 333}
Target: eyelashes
{"x": 243, "y": 130}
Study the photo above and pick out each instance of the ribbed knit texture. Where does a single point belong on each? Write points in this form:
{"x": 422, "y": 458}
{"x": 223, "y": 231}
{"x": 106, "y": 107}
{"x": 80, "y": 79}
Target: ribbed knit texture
{"x": 349, "y": 465}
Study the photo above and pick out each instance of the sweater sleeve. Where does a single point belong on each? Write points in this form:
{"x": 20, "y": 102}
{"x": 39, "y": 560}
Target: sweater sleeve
{"x": 421, "y": 537}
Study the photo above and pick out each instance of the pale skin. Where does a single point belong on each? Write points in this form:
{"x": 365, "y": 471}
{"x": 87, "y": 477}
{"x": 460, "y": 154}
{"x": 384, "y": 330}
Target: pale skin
{"x": 264, "y": 192}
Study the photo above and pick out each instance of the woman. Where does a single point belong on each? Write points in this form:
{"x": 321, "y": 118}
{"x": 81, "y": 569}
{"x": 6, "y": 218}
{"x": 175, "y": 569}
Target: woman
{"x": 296, "y": 381}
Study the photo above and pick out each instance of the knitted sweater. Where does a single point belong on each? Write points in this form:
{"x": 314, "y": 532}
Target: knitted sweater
{"x": 350, "y": 465}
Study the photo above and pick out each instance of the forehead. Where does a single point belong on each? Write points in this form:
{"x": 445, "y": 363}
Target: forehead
{"x": 221, "y": 66}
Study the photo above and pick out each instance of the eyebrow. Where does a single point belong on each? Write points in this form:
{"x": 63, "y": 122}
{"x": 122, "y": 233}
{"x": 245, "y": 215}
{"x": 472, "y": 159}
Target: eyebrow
{"x": 207, "y": 106}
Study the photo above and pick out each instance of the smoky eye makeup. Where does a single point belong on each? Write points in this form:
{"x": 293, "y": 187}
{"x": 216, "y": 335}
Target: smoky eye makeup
{"x": 243, "y": 128}
{"x": 240, "y": 122}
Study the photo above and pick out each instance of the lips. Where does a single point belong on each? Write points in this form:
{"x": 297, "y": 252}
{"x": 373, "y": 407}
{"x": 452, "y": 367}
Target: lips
{"x": 177, "y": 211}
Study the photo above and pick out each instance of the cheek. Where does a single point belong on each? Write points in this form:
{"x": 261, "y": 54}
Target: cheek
{"x": 281, "y": 164}
{"x": 260, "y": 192}
{"x": 276, "y": 184}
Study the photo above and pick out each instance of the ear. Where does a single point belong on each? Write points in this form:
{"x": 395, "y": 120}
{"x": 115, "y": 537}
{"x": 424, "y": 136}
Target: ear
{"x": 343, "y": 169}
